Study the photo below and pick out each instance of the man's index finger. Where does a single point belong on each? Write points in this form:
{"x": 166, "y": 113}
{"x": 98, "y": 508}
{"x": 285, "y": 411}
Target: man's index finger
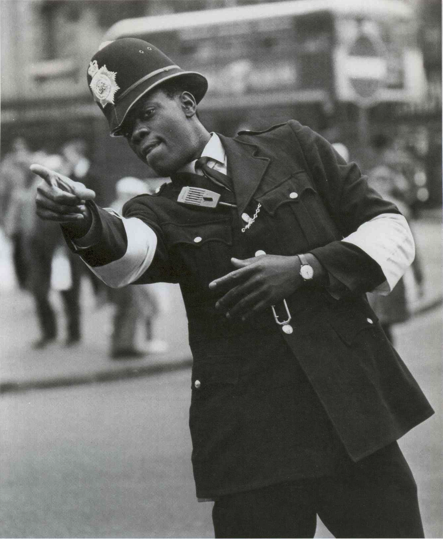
{"x": 230, "y": 279}
{"x": 49, "y": 176}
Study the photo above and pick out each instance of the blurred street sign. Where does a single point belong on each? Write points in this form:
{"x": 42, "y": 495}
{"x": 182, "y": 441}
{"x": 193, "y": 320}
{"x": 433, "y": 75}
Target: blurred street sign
{"x": 366, "y": 68}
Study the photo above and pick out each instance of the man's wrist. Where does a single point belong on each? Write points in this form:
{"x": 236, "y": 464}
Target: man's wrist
{"x": 78, "y": 230}
{"x": 316, "y": 276}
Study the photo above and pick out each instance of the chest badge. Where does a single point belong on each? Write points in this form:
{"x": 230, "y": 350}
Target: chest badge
{"x": 197, "y": 196}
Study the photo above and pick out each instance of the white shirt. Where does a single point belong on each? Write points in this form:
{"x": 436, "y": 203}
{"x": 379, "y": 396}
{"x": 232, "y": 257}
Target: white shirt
{"x": 387, "y": 239}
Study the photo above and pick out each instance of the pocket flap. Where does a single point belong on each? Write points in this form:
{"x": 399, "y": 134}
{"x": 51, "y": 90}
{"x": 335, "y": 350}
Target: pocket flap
{"x": 199, "y": 234}
{"x": 289, "y": 191}
{"x": 208, "y": 374}
{"x": 348, "y": 324}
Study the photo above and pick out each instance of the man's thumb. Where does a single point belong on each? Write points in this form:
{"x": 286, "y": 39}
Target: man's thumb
{"x": 82, "y": 192}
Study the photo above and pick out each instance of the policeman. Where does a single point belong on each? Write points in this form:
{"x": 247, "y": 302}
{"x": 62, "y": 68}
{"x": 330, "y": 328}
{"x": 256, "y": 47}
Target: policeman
{"x": 297, "y": 396}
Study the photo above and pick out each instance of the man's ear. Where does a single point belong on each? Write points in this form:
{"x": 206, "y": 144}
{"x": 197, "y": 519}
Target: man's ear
{"x": 188, "y": 103}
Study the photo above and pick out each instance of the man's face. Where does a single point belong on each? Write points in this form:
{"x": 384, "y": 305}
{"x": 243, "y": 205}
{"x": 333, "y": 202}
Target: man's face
{"x": 159, "y": 131}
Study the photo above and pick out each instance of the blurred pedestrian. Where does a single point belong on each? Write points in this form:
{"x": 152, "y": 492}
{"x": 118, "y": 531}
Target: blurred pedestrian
{"x": 298, "y": 398}
{"x": 135, "y": 307}
{"x": 14, "y": 170}
{"x": 49, "y": 265}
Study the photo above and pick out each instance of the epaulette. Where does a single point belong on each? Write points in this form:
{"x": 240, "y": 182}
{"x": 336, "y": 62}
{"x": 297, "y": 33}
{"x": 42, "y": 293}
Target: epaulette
{"x": 250, "y": 132}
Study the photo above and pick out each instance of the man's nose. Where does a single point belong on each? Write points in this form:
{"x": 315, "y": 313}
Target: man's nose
{"x": 139, "y": 132}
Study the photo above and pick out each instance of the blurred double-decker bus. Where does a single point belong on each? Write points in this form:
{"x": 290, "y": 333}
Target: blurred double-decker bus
{"x": 318, "y": 61}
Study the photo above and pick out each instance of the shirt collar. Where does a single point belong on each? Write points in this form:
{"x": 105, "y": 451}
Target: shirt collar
{"x": 213, "y": 149}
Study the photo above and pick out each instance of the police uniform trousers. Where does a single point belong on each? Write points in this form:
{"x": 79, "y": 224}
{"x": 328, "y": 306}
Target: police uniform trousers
{"x": 375, "y": 497}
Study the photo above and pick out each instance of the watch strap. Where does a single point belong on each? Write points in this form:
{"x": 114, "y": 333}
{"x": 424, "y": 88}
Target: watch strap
{"x": 303, "y": 260}
{"x": 305, "y": 266}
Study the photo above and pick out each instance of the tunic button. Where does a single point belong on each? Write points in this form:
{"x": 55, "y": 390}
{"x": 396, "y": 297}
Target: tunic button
{"x": 259, "y": 253}
{"x": 245, "y": 217}
{"x": 369, "y": 321}
{"x": 293, "y": 195}
{"x": 287, "y": 329}
{"x": 197, "y": 239}
{"x": 197, "y": 384}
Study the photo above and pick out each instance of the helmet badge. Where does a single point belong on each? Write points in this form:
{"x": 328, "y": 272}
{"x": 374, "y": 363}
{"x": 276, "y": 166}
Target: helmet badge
{"x": 103, "y": 83}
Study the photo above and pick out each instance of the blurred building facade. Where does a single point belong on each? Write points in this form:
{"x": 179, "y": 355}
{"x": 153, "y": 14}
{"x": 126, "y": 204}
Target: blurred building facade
{"x": 47, "y": 44}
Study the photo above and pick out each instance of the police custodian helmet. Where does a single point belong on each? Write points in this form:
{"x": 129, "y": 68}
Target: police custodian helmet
{"x": 124, "y": 70}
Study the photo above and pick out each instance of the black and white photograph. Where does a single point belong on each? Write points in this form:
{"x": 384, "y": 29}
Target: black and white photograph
{"x": 221, "y": 272}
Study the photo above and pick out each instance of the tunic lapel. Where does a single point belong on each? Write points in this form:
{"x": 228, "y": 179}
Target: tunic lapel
{"x": 245, "y": 168}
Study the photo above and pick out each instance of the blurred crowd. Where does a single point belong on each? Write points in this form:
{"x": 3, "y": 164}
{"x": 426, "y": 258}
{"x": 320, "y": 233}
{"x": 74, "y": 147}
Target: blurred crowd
{"x": 43, "y": 265}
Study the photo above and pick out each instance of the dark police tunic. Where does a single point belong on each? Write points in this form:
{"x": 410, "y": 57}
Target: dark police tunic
{"x": 269, "y": 406}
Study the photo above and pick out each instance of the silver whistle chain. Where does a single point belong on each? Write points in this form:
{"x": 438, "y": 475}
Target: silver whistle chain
{"x": 252, "y": 219}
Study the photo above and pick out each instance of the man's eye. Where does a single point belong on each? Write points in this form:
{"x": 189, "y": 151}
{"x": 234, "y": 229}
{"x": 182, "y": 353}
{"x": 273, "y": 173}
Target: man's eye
{"x": 148, "y": 113}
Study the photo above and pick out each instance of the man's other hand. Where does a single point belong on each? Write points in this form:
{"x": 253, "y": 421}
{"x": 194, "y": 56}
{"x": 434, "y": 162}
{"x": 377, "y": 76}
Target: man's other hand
{"x": 256, "y": 284}
{"x": 61, "y": 199}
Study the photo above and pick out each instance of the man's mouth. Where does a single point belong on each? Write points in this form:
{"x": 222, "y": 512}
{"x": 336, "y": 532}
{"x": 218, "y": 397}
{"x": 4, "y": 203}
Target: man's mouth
{"x": 148, "y": 149}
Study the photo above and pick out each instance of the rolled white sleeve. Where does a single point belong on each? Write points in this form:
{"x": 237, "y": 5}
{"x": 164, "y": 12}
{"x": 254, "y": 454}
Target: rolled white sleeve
{"x": 140, "y": 251}
{"x": 388, "y": 240}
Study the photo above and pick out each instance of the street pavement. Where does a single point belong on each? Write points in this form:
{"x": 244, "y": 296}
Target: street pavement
{"x": 22, "y": 368}
{"x": 100, "y": 460}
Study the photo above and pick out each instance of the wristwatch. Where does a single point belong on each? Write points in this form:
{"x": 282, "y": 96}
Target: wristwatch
{"x": 306, "y": 270}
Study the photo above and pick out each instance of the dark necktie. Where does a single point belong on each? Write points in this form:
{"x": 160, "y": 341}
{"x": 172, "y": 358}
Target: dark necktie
{"x": 213, "y": 175}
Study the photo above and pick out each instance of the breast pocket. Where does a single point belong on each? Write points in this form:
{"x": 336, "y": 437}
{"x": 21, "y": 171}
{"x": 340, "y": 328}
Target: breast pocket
{"x": 296, "y": 207}
{"x": 201, "y": 251}
{"x": 350, "y": 324}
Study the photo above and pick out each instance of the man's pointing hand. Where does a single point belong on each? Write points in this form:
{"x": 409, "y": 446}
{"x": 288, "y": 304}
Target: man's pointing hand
{"x": 61, "y": 199}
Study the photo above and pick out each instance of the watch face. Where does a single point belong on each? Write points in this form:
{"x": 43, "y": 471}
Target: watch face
{"x": 307, "y": 272}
